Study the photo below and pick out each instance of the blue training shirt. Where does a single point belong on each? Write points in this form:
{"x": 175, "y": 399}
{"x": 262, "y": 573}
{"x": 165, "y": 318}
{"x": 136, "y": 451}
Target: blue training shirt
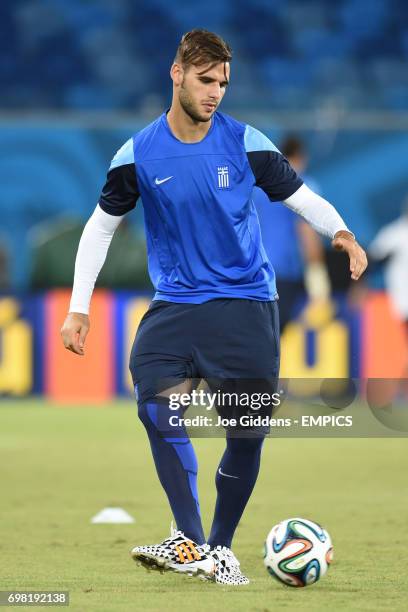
{"x": 202, "y": 229}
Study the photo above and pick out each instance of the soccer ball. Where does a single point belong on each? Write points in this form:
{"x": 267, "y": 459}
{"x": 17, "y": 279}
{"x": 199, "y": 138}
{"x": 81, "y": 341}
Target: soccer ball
{"x": 298, "y": 552}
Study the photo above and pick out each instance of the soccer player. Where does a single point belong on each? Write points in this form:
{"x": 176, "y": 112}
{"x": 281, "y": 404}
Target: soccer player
{"x": 390, "y": 248}
{"x": 294, "y": 249}
{"x": 214, "y": 315}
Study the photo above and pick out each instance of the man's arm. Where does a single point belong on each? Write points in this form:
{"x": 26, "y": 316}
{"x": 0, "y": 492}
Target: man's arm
{"x": 91, "y": 255}
{"x": 279, "y": 181}
{"x": 325, "y": 219}
{"x": 385, "y": 243}
{"x": 118, "y": 197}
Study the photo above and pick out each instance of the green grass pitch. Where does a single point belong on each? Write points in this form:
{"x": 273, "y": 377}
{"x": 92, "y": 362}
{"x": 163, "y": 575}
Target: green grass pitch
{"x": 60, "y": 465}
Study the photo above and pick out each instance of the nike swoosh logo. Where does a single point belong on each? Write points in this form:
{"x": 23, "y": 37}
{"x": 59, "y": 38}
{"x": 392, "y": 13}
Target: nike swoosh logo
{"x": 160, "y": 181}
{"x": 221, "y": 473}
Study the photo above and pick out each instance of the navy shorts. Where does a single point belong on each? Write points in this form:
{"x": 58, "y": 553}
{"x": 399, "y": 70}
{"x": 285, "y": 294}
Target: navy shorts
{"x": 230, "y": 341}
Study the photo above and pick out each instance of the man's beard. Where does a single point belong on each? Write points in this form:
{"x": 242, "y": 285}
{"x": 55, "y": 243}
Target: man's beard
{"x": 188, "y": 107}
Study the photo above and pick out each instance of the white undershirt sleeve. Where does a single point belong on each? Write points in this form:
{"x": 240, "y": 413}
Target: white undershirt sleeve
{"x": 317, "y": 211}
{"x": 91, "y": 255}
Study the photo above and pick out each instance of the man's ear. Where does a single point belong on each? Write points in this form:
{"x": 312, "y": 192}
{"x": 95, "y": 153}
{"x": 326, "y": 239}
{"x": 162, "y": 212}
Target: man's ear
{"x": 177, "y": 74}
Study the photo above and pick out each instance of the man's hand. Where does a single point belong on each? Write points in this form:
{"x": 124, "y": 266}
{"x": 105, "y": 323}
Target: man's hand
{"x": 345, "y": 241}
{"x": 74, "y": 332}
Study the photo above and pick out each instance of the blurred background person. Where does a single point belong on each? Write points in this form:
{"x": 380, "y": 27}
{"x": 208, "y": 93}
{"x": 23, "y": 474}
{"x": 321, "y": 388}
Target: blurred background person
{"x": 293, "y": 247}
{"x": 390, "y": 250}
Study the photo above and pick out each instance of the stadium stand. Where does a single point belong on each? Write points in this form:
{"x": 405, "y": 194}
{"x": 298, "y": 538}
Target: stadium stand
{"x": 101, "y": 55}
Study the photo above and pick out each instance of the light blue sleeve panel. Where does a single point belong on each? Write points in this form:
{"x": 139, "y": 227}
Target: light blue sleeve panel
{"x": 124, "y": 156}
{"x": 256, "y": 141}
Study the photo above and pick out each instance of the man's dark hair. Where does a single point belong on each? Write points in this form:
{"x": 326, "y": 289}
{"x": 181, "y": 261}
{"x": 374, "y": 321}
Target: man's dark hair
{"x": 293, "y": 146}
{"x": 199, "y": 47}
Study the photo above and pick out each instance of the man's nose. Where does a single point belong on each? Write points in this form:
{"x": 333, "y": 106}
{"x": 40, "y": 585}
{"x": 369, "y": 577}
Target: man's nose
{"x": 215, "y": 91}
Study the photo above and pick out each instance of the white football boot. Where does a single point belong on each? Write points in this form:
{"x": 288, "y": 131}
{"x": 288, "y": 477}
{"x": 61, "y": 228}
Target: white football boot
{"x": 178, "y": 554}
{"x": 227, "y": 570}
